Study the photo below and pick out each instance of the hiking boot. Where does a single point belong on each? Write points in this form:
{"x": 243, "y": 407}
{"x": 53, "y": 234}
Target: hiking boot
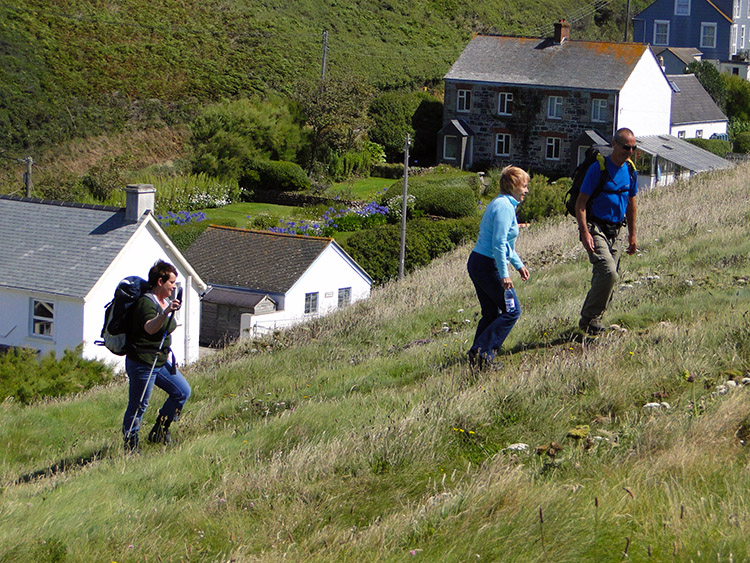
{"x": 160, "y": 432}
{"x": 592, "y": 327}
{"x": 481, "y": 362}
{"x": 131, "y": 444}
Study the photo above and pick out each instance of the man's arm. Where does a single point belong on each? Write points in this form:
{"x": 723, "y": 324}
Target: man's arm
{"x": 583, "y": 230}
{"x": 630, "y": 214}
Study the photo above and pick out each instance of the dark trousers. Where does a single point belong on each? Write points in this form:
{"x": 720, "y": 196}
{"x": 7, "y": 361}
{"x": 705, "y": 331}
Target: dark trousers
{"x": 496, "y": 322}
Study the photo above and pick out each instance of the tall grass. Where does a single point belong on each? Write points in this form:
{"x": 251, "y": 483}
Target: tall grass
{"x": 364, "y": 436}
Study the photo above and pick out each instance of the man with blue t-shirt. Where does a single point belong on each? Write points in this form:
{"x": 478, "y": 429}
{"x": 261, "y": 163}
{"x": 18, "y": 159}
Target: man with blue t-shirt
{"x": 599, "y": 222}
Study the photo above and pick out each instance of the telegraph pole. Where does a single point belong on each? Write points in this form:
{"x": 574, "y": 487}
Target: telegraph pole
{"x": 325, "y": 56}
{"x": 27, "y": 175}
{"x": 405, "y": 192}
{"x": 627, "y": 21}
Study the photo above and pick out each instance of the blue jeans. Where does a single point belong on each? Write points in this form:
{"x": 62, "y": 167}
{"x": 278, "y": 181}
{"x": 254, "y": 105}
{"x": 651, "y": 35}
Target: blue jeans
{"x": 175, "y": 385}
{"x": 495, "y": 325}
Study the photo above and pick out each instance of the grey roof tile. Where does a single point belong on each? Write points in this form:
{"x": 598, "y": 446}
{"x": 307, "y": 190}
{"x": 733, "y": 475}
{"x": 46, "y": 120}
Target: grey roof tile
{"x": 258, "y": 260}
{"x": 691, "y": 103}
{"x": 57, "y": 247}
{"x": 682, "y": 153}
{"x": 593, "y": 65}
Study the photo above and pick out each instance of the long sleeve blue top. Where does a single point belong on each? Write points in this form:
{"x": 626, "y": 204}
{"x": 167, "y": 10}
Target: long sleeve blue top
{"x": 498, "y": 232}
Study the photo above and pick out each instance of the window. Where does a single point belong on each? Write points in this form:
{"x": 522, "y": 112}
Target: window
{"x": 553, "y": 148}
{"x": 736, "y": 9}
{"x": 682, "y": 7}
{"x": 42, "y": 318}
{"x": 708, "y": 35}
{"x": 733, "y": 40}
{"x": 505, "y": 103}
{"x": 502, "y": 144}
{"x": 680, "y": 134}
{"x": 345, "y": 296}
{"x": 554, "y": 107}
{"x": 311, "y": 303}
{"x": 661, "y": 32}
{"x": 450, "y": 147}
{"x": 742, "y": 37}
{"x": 699, "y": 134}
{"x": 463, "y": 102}
{"x": 599, "y": 110}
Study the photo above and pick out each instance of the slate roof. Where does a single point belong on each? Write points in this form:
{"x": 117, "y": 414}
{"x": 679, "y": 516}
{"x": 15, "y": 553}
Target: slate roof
{"x": 682, "y": 153}
{"x": 236, "y": 297}
{"x": 592, "y": 65}
{"x": 685, "y": 54}
{"x": 691, "y": 103}
{"x": 58, "y": 247}
{"x": 258, "y": 260}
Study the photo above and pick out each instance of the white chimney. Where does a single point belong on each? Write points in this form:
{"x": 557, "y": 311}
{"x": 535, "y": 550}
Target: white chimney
{"x": 139, "y": 198}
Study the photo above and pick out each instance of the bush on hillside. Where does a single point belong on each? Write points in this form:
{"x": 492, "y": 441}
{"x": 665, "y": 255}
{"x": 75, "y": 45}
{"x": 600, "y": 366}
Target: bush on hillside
{"x": 355, "y": 162}
{"x": 275, "y": 175}
{"x": 444, "y": 195}
{"x": 742, "y": 142}
{"x": 184, "y": 235}
{"x": 226, "y": 134}
{"x": 378, "y": 250}
{"x": 27, "y": 378}
{"x": 543, "y": 199}
{"x": 715, "y": 146}
{"x": 387, "y": 170}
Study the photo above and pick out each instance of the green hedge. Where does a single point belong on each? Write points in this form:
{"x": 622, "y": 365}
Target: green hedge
{"x": 450, "y": 196}
{"x": 27, "y": 378}
{"x": 742, "y": 142}
{"x": 387, "y": 170}
{"x": 276, "y": 175}
{"x": 715, "y": 146}
{"x": 378, "y": 250}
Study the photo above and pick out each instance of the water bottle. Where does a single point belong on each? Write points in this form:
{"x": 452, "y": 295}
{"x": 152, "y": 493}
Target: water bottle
{"x": 510, "y": 302}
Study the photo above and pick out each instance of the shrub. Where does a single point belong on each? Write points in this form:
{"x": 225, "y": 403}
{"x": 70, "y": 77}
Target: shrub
{"x": 742, "y": 142}
{"x": 273, "y": 175}
{"x": 378, "y": 250}
{"x": 354, "y": 162}
{"x": 386, "y": 170}
{"x": 27, "y": 378}
{"x": 715, "y": 146}
{"x": 543, "y": 200}
{"x": 184, "y": 235}
{"x": 190, "y": 191}
{"x": 443, "y": 195}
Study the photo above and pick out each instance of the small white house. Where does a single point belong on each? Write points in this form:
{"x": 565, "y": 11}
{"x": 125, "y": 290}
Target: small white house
{"x": 695, "y": 115}
{"x": 263, "y": 281}
{"x": 61, "y": 262}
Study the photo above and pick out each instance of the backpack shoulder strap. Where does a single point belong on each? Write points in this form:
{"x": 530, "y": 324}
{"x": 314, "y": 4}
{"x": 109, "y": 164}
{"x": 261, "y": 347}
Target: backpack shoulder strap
{"x": 603, "y": 175}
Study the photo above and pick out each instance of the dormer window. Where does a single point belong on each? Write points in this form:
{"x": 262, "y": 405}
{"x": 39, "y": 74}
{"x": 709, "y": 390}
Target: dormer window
{"x": 681, "y": 7}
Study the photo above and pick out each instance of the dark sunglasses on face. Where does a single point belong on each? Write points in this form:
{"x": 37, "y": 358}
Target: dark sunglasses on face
{"x": 628, "y": 147}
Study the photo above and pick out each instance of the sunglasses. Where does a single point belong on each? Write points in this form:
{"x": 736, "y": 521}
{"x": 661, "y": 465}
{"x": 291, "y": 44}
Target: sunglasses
{"x": 628, "y": 147}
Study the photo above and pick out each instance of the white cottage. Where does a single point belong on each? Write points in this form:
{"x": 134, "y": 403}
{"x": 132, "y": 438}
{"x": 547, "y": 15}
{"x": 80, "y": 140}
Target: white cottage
{"x": 262, "y": 281}
{"x": 61, "y": 262}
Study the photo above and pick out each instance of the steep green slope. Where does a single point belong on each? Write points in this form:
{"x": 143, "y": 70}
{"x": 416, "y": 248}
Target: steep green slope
{"x": 77, "y": 68}
{"x": 364, "y": 436}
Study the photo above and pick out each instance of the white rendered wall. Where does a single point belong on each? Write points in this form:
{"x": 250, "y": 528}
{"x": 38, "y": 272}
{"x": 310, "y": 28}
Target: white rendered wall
{"x": 645, "y": 101}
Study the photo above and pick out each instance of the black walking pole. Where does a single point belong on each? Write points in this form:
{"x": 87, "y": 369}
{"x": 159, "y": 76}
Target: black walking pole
{"x": 178, "y": 297}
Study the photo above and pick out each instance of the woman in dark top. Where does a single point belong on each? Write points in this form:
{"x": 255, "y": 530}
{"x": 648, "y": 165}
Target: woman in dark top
{"x": 149, "y": 318}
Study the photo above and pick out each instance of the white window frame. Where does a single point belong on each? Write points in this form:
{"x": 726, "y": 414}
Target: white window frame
{"x": 681, "y": 7}
{"x": 733, "y": 40}
{"x": 705, "y": 26}
{"x": 737, "y": 8}
{"x": 463, "y": 101}
{"x": 554, "y": 107}
{"x": 742, "y": 37}
{"x": 42, "y": 326}
{"x": 505, "y": 103}
{"x": 446, "y": 140}
{"x": 657, "y": 24}
{"x": 599, "y": 110}
{"x": 345, "y": 297}
{"x": 554, "y": 144}
{"x": 311, "y": 303}
{"x": 506, "y": 140}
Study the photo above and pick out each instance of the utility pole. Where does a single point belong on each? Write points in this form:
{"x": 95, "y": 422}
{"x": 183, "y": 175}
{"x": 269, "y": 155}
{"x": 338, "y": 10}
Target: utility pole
{"x": 325, "y": 56}
{"x": 27, "y": 175}
{"x": 402, "y": 258}
{"x": 627, "y": 21}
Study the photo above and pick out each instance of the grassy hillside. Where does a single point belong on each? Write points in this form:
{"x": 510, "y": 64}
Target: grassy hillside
{"x": 75, "y": 69}
{"x": 364, "y": 437}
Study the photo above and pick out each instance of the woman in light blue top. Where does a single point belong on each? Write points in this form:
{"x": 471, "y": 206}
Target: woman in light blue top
{"x": 488, "y": 267}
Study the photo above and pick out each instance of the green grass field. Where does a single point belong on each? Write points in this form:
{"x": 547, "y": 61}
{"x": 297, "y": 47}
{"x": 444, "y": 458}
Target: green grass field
{"x": 365, "y": 436}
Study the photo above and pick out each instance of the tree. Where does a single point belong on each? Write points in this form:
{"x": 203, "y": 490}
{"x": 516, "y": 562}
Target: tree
{"x": 711, "y": 79}
{"x": 226, "y": 134}
{"x": 335, "y": 110}
{"x": 391, "y": 114}
{"x": 738, "y": 98}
